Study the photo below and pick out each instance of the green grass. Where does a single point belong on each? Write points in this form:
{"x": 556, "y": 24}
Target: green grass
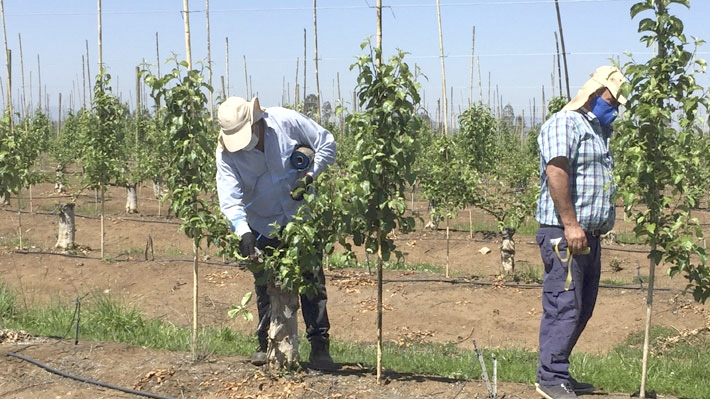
{"x": 530, "y": 273}
{"x": 613, "y": 281}
{"x": 528, "y": 228}
{"x": 628, "y": 238}
{"x": 340, "y": 260}
{"x": 679, "y": 365}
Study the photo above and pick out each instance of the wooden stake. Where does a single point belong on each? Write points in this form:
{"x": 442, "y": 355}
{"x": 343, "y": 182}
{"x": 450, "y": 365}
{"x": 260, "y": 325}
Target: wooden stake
{"x": 246, "y": 79}
{"x": 443, "y": 71}
{"x": 138, "y": 95}
{"x": 39, "y": 84}
{"x": 304, "y": 69}
{"x": 22, "y": 78}
{"x": 209, "y": 58}
{"x": 226, "y": 66}
{"x": 8, "y": 65}
{"x": 559, "y": 66}
{"x": 473, "y": 46}
{"x": 480, "y": 86}
{"x": 59, "y": 114}
{"x": 83, "y": 79}
{"x": 157, "y": 53}
{"x": 296, "y": 94}
{"x": 379, "y": 239}
{"x": 188, "y": 46}
{"x": 315, "y": 60}
{"x": 100, "y": 42}
{"x": 562, "y": 41}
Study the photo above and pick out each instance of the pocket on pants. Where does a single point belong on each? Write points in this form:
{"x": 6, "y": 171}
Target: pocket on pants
{"x": 555, "y": 270}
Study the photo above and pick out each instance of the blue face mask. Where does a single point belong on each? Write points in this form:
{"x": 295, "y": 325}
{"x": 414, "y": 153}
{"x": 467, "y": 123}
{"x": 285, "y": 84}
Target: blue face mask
{"x": 605, "y": 112}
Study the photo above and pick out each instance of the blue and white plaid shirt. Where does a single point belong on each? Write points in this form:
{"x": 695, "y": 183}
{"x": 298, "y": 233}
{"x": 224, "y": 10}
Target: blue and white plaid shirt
{"x": 585, "y": 143}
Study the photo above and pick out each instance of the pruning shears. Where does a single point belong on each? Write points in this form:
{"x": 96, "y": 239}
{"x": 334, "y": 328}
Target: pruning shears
{"x": 567, "y": 259}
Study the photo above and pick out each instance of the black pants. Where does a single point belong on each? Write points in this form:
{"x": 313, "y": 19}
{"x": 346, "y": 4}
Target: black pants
{"x": 313, "y": 308}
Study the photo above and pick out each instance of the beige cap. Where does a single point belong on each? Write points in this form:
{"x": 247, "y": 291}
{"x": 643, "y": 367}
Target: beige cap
{"x": 236, "y": 116}
{"x": 605, "y": 76}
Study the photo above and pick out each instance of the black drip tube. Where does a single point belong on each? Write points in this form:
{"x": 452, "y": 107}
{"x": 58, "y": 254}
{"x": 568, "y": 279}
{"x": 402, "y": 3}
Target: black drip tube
{"x": 87, "y": 380}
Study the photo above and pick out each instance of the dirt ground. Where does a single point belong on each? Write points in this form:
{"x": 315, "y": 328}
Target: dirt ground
{"x": 471, "y": 304}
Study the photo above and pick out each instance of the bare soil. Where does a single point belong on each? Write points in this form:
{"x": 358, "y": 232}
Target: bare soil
{"x": 472, "y": 303}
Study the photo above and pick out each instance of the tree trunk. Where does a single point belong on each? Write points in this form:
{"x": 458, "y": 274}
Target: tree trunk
{"x": 507, "y": 251}
{"x": 131, "y": 198}
{"x": 67, "y": 227}
{"x": 283, "y": 329}
{"x": 158, "y": 189}
{"x": 59, "y": 179}
{"x": 4, "y": 199}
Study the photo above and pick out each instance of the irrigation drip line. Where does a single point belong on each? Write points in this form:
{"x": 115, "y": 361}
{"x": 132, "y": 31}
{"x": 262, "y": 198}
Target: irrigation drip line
{"x": 492, "y": 283}
{"x": 88, "y": 380}
{"x": 335, "y": 277}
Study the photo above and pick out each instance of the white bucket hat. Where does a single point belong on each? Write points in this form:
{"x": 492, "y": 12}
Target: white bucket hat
{"x": 236, "y": 116}
{"x": 605, "y": 76}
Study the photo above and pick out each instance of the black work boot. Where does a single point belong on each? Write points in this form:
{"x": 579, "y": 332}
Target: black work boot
{"x": 259, "y": 357}
{"x": 319, "y": 358}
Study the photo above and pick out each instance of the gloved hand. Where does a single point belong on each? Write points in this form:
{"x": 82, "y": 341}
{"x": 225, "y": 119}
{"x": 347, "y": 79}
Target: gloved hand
{"x": 247, "y": 245}
{"x": 300, "y": 187}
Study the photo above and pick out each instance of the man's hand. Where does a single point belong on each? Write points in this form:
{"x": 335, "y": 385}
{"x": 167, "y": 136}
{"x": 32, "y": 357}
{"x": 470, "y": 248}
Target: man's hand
{"x": 300, "y": 187}
{"x": 247, "y": 245}
{"x": 558, "y": 181}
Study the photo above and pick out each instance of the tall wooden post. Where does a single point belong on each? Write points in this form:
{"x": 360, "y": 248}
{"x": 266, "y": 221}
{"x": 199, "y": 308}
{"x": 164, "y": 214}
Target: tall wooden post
{"x": 226, "y": 67}
{"x": 562, "y": 41}
{"x": 473, "y": 47}
{"x": 8, "y": 65}
{"x": 186, "y": 20}
{"x": 100, "y": 42}
{"x": 246, "y": 79}
{"x": 443, "y": 71}
{"x": 315, "y": 59}
{"x": 39, "y": 83}
{"x": 209, "y": 58}
{"x": 22, "y": 77}
{"x": 304, "y": 69}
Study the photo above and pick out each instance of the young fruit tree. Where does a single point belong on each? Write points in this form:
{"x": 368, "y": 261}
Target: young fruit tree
{"x": 659, "y": 152}
{"x": 508, "y": 191}
{"x": 447, "y": 180}
{"x": 329, "y": 216}
{"x": 192, "y": 144}
{"x": 384, "y": 130}
{"x": 100, "y": 142}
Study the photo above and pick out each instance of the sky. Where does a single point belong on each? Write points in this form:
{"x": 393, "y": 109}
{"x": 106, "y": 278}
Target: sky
{"x": 55, "y": 43}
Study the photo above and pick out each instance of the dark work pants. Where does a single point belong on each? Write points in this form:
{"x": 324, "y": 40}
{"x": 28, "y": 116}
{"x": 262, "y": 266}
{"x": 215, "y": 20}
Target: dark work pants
{"x": 565, "y": 313}
{"x": 313, "y": 308}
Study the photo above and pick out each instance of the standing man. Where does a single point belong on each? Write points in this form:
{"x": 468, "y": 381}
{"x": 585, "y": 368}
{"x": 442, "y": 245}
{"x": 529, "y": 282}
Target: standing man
{"x": 575, "y": 207}
{"x": 259, "y": 184}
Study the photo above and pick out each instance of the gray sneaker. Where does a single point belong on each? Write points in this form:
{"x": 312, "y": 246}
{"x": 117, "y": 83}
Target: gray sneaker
{"x": 562, "y": 391}
{"x": 581, "y": 388}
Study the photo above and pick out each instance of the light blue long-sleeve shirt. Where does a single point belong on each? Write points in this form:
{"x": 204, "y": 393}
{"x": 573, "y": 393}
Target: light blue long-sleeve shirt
{"x": 254, "y": 187}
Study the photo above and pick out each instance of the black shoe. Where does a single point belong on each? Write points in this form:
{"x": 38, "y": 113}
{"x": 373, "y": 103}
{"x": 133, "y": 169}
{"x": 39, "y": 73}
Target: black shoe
{"x": 562, "y": 391}
{"x": 258, "y": 358}
{"x": 319, "y": 358}
{"x": 581, "y": 388}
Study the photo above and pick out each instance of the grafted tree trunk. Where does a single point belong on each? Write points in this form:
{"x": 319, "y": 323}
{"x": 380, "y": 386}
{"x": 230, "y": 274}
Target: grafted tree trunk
{"x": 131, "y": 198}
{"x": 507, "y": 251}
{"x": 67, "y": 227}
{"x": 282, "y": 352}
{"x": 4, "y": 199}
{"x": 59, "y": 179}
{"x": 158, "y": 188}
